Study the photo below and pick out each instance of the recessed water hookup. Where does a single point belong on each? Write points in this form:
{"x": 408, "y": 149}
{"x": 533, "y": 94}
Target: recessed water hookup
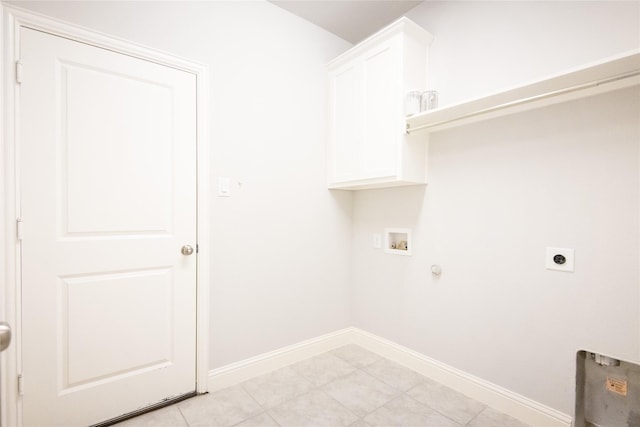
{"x": 398, "y": 241}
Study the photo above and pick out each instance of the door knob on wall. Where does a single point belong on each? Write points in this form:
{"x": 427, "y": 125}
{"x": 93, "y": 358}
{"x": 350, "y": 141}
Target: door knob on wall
{"x": 186, "y": 250}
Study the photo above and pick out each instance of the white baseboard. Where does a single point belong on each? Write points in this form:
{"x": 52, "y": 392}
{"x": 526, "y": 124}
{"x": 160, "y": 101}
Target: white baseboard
{"x": 238, "y": 372}
{"x": 499, "y": 398}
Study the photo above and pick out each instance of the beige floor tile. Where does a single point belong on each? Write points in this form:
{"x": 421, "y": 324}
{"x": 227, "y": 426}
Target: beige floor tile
{"x": 448, "y": 402}
{"x": 360, "y": 423}
{"x": 262, "y": 420}
{"x": 222, "y": 408}
{"x": 360, "y": 392}
{"x": 356, "y": 355}
{"x": 314, "y": 409}
{"x": 404, "y": 411}
{"x": 393, "y": 374}
{"x": 277, "y": 387}
{"x": 492, "y": 418}
{"x": 323, "y": 369}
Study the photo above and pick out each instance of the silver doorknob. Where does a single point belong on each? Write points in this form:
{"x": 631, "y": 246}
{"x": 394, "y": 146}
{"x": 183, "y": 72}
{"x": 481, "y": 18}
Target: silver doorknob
{"x": 186, "y": 250}
{"x": 5, "y": 335}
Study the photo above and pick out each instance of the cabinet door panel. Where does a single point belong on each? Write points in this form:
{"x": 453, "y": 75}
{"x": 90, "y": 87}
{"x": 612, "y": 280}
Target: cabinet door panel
{"x": 381, "y": 84}
{"x": 346, "y": 124}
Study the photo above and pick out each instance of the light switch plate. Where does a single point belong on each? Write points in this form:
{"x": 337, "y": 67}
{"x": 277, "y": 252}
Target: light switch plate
{"x": 560, "y": 259}
{"x": 377, "y": 240}
{"x": 224, "y": 187}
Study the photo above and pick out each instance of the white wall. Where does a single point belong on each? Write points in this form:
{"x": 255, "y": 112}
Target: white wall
{"x": 281, "y": 243}
{"x": 503, "y": 190}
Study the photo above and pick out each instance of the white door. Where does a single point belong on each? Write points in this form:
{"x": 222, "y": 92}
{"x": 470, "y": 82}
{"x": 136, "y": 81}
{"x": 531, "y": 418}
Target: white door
{"x": 107, "y": 161}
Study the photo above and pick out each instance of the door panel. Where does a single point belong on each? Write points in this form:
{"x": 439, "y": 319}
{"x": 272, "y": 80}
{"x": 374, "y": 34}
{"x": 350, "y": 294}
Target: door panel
{"x": 108, "y": 198}
{"x": 137, "y": 136}
{"x": 89, "y": 331}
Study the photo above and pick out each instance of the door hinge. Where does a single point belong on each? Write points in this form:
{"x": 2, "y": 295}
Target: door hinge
{"x": 197, "y": 248}
{"x": 19, "y": 228}
{"x": 18, "y": 72}
{"x": 21, "y": 385}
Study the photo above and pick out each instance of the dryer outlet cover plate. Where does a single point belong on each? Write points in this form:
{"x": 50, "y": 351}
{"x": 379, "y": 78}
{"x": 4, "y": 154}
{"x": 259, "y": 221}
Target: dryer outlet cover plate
{"x": 560, "y": 259}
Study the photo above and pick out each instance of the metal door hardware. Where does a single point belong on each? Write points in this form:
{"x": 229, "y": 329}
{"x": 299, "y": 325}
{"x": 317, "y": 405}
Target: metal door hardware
{"x": 5, "y": 335}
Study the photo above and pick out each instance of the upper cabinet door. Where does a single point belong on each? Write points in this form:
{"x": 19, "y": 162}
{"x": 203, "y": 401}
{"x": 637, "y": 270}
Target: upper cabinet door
{"x": 367, "y": 147}
{"x": 345, "y": 122}
{"x": 382, "y": 96}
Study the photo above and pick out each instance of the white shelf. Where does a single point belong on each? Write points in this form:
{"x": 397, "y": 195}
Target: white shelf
{"x": 611, "y": 74}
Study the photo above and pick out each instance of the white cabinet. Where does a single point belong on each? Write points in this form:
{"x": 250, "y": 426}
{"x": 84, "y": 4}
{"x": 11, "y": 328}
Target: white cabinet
{"x": 368, "y": 145}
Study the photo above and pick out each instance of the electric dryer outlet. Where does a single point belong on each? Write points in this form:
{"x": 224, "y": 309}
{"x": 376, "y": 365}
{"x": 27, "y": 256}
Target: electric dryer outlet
{"x": 560, "y": 259}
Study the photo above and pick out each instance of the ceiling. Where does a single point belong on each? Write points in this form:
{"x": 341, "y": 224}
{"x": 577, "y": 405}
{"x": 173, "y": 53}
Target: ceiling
{"x": 352, "y": 20}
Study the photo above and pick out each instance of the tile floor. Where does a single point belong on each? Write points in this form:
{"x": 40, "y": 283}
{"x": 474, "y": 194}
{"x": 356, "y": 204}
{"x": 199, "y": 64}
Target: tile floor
{"x": 349, "y": 386}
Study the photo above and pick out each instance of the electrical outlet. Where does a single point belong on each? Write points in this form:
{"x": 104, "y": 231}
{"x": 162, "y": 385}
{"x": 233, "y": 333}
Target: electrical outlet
{"x": 560, "y": 259}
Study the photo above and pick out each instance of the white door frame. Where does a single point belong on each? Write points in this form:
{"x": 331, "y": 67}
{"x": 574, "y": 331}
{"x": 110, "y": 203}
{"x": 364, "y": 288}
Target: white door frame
{"x": 11, "y": 20}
